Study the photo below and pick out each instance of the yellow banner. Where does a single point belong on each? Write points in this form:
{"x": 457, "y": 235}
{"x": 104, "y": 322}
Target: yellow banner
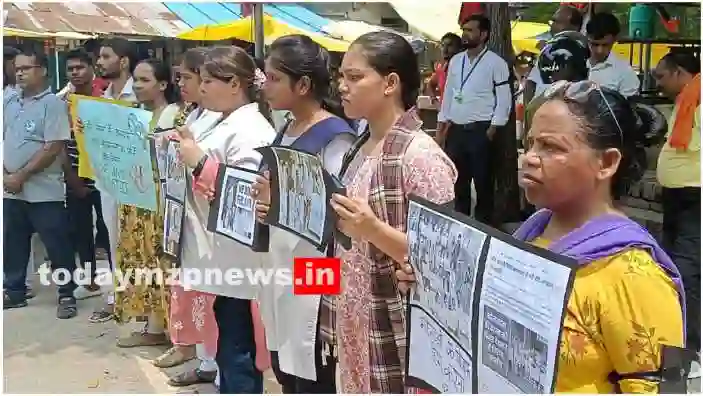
{"x": 84, "y": 168}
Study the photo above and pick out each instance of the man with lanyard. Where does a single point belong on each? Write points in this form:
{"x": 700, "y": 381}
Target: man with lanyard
{"x": 565, "y": 19}
{"x": 679, "y": 173}
{"x": 81, "y": 195}
{"x": 35, "y": 130}
{"x": 116, "y": 62}
{"x": 477, "y": 102}
{"x": 606, "y": 68}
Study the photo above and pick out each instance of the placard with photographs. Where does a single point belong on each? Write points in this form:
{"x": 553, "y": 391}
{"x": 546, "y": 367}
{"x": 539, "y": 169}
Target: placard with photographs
{"x": 173, "y": 228}
{"x": 485, "y": 314}
{"x": 158, "y": 145}
{"x": 301, "y": 190}
{"x": 175, "y": 172}
{"x": 232, "y": 213}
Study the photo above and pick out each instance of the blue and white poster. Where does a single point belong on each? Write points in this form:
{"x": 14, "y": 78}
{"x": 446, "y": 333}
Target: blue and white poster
{"x": 117, "y": 143}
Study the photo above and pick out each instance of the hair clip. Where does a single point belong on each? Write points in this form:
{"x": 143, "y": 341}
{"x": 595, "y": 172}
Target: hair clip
{"x": 259, "y": 78}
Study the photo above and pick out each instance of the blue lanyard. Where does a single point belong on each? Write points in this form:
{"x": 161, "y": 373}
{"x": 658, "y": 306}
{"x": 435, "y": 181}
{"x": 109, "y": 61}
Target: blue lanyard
{"x": 465, "y": 79}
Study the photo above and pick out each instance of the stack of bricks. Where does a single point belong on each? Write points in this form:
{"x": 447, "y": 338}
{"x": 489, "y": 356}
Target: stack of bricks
{"x": 643, "y": 203}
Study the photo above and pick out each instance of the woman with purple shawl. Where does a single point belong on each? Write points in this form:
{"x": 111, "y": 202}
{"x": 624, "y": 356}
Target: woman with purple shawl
{"x": 584, "y": 150}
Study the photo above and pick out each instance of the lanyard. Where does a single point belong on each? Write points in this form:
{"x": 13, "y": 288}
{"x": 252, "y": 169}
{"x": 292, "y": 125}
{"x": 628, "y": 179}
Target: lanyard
{"x": 464, "y": 79}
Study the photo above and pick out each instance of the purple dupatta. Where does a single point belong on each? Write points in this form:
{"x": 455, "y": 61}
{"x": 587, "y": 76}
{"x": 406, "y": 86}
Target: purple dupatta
{"x": 603, "y": 237}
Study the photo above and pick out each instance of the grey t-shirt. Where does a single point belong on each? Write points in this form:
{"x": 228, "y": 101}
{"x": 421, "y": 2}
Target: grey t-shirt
{"x": 29, "y": 123}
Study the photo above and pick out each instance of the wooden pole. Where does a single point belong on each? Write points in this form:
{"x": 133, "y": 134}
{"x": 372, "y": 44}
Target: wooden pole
{"x": 506, "y": 204}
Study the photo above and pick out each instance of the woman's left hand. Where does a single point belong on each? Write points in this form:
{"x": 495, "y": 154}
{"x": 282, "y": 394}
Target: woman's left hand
{"x": 356, "y": 219}
{"x": 189, "y": 151}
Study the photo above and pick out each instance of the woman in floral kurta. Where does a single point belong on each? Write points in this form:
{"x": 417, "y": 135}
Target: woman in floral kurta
{"x": 141, "y": 230}
{"x": 394, "y": 159}
{"x": 192, "y": 326}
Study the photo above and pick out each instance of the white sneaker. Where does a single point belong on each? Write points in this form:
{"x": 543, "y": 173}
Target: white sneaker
{"x": 695, "y": 370}
{"x": 81, "y": 293}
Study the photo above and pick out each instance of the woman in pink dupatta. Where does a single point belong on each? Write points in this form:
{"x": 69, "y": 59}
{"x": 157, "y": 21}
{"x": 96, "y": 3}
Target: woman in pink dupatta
{"x": 393, "y": 159}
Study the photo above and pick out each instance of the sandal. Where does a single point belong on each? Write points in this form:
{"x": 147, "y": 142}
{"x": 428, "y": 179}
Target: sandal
{"x": 9, "y": 304}
{"x": 67, "y": 308}
{"x": 101, "y": 316}
{"x": 192, "y": 377}
{"x": 175, "y": 356}
{"x": 140, "y": 339}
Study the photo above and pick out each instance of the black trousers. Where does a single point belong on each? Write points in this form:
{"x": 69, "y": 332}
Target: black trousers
{"x": 469, "y": 148}
{"x": 326, "y": 374}
{"x": 50, "y": 220}
{"x": 682, "y": 241}
{"x": 80, "y": 212}
{"x": 102, "y": 239}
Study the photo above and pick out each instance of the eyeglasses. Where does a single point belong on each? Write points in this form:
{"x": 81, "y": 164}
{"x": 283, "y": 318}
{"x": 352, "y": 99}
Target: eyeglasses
{"x": 579, "y": 92}
{"x": 25, "y": 69}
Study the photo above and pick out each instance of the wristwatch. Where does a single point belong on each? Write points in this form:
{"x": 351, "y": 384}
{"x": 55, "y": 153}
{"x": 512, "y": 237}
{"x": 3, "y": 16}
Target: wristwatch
{"x": 199, "y": 167}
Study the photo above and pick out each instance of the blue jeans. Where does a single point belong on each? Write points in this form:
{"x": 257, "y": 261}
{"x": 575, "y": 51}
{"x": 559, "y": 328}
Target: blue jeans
{"x": 50, "y": 221}
{"x": 236, "y": 349}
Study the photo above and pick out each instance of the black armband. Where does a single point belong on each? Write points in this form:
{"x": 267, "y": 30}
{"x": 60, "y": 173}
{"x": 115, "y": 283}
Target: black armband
{"x": 199, "y": 167}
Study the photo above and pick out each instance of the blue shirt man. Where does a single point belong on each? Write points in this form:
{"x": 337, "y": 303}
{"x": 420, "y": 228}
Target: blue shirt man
{"x": 35, "y": 130}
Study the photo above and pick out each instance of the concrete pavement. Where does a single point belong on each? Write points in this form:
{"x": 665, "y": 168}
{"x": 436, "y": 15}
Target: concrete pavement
{"x": 43, "y": 354}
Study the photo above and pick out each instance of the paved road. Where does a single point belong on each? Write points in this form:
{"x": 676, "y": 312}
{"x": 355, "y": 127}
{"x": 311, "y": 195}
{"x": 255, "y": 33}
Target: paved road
{"x": 43, "y": 354}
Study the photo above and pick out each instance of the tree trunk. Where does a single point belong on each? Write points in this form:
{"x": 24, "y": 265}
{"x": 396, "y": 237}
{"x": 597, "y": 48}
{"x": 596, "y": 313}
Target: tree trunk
{"x": 506, "y": 205}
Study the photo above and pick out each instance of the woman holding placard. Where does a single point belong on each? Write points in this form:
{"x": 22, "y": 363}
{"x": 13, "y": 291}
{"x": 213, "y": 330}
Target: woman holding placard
{"x": 229, "y": 85}
{"x": 393, "y": 158}
{"x": 192, "y": 325}
{"x": 584, "y": 150}
{"x": 140, "y": 238}
{"x": 298, "y": 78}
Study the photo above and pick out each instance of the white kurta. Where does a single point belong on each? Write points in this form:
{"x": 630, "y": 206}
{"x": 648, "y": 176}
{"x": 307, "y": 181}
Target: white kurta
{"x": 231, "y": 141}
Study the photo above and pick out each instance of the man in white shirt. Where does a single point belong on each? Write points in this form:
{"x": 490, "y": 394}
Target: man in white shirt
{"x": 606, "y": 68}
{"x": 566, "y": 18}
{"x": 116, "y": 62}
{"x": 477, "y": 101}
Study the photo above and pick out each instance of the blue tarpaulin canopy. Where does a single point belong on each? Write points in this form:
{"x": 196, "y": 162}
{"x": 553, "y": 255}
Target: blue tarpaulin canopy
{"x": 199, "y": 14}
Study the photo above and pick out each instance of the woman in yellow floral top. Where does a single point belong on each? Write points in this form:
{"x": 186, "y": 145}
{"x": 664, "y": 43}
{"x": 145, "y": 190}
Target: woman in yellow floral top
{"x": 140, "y": 241}
{"x": 585, "y": 149}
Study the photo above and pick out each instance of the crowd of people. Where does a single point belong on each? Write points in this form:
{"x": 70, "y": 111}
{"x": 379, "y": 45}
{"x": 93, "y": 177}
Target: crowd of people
{"x": 584, "y": 148}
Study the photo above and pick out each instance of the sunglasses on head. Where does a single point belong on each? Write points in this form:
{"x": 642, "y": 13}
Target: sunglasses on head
{"x": 579, "y": 92}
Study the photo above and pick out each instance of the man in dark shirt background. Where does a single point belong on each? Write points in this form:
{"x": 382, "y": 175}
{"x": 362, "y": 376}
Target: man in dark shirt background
{"x": 81, "y": 195}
